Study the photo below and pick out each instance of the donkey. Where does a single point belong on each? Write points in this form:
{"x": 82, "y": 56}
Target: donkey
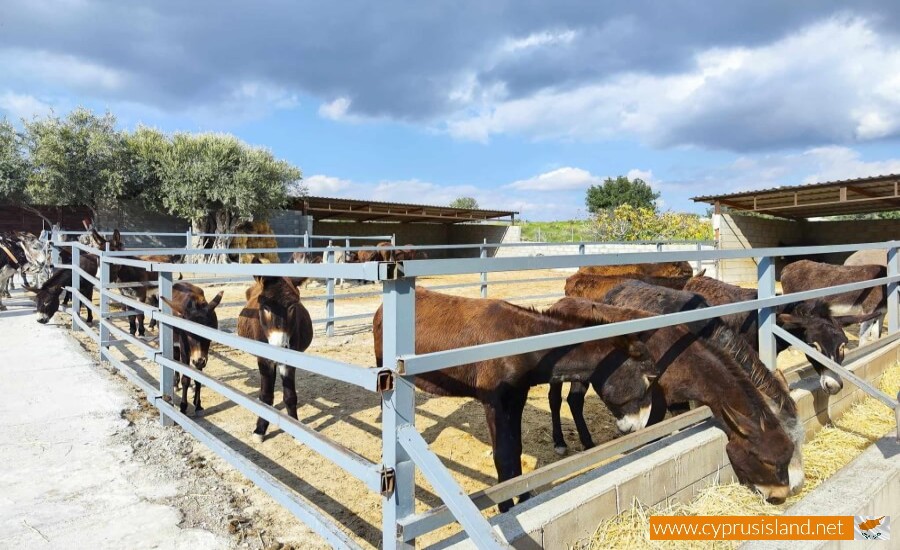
{"x": 772, "y": 384}
{"x": 869, "y": 304}
{"x": 669, "y": 270}
{"x": 622, "y": 366}
{"x": 143, "y": 292}
{"x": 12, "y": 259}
{"x": 275, "y": 315}
{"x": 189, "y": 302}
{"x": 47, "y": 297}
{"x": 762, "y": 453}
{"x": 810, "y": 321}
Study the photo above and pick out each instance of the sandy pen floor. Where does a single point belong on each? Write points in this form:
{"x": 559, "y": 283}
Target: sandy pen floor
{"x": 454, "y": 427}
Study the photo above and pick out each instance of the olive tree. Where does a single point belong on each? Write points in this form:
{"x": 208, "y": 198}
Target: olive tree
{"x": 218, "y": 182}
{"x": 76, "y": 160}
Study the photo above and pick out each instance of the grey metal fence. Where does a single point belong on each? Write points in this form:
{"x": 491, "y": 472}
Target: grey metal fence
{"x": 403, "y": 449}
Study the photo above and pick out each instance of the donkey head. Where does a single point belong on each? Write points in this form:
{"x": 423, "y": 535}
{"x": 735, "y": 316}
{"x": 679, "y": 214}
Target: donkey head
{"x": 627, "y": 390}
{"x": 760, "y": 452}
{"x": 195, "y": 347}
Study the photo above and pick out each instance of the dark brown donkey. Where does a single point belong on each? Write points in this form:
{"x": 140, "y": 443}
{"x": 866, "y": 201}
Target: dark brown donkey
{"x": 47, "y": 297}
{"x": 274, "y": 314}
{"x": 761, "y": 452}
{"x": 869, "y": 304}
{"x": 669, "y": 270}
{"x": 621, "y": 366}
{"x": 189, "y": 303}
{"x": 772, "y": 384}
{"x": 809, "y": 321}
{"x": 144, "y": 291}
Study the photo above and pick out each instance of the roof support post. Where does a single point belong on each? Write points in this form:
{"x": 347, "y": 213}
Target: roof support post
{"x": 766, "y": 280}
{"x": 893, "y": 290}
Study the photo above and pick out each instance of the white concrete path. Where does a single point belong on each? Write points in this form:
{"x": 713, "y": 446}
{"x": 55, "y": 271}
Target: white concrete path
{"x": 63, "y": 482}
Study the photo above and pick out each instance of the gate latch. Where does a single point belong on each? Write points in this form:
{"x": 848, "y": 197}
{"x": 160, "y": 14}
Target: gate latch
{"x": 385, "y": 381}
{"x": 387, "y": 482}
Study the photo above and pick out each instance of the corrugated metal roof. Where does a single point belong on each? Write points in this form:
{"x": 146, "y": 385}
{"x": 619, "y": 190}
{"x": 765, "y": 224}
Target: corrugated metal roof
{"x": 334, "y": 208}
{"x": 832, "y": 198}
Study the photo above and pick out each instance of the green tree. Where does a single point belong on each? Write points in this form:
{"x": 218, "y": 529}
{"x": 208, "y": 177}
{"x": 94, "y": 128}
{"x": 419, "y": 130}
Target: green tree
{"x": 468, "y": 203}
{"x": 143, "y": 151}
{"x": 218, "y": 182}
{"x": 76, "y": 159}
{"x": 626, "y": 223}
{"x": 619, "y": 191}
{"x": 14, "y": 167}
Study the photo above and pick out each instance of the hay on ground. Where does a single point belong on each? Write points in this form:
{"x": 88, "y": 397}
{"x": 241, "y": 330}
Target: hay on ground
{"x": 832, "y": 448}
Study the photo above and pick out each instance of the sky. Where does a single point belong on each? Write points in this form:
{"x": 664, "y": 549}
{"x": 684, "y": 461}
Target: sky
{"x": 521, "y": 105}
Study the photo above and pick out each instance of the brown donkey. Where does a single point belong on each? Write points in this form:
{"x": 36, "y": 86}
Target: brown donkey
{"x": 189, "y": 302}
{"x": 274, "y": 314}
{"x": 622, "y": 366}
{"x": 761, "y": 452}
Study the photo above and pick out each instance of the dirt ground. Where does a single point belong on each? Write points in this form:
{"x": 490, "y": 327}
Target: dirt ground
{"x": 453, "y": 427}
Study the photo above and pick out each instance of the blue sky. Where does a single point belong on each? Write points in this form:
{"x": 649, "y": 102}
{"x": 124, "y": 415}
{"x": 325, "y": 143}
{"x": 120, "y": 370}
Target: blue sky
{"x": 522, "y": 105}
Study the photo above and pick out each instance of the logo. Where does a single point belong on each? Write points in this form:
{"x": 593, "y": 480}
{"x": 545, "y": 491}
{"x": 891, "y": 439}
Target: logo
{"x": 871, "y": 528}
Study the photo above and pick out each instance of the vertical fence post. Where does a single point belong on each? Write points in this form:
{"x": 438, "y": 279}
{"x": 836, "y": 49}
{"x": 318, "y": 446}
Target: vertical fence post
{"x": 166, "y": 375}
{"x": 306, "y": 239}
{"x": 76, "y": 285}
{"x": 893, "y": 291}
{"x": 659, "y": 247}
{"x": 54, "y": 249}
{"x": 766, "y": 285}
{"x": 581, "y": 248}
{"x": 699, "y": 265}
{"x": 484, "y": 286}
{"x": 329, "y": 295}
{"x": 104, "y": 305}
{"x": 393, "y": 239}
{"x": 398, "y": 408}
{"x": 188, "y": 239}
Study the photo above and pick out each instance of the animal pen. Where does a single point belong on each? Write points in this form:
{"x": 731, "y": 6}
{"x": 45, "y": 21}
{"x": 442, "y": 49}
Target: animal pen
{"x": 403, "y": 448}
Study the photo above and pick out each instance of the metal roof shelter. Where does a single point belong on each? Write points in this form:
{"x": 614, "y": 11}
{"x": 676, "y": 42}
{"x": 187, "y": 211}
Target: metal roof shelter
{"x": 325, "y": 208}
{"x": 833, "y": 198}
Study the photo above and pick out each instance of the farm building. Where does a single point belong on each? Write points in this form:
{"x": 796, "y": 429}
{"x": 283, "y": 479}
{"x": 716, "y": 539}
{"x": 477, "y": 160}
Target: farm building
{"x": 793, "y": 216}
{"x": 410, "y": 223}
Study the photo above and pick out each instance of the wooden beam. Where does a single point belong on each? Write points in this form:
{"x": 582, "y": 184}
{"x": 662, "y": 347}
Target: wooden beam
{"x": 866, "y": 193}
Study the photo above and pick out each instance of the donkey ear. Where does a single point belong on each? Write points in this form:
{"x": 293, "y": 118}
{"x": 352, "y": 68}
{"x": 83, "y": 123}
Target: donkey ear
{"x": 787, "y": 321}
{"x": 31, "y": 289}
{"x": 630, "y": 344}
{"x": 176, "y": 308}
{"x": 215, "y": 301}
{"x": 116, "y": 237}
{"x": 735, "y": 420}
{"x": 259, "y": 278}
{"x": 845, "y": 320}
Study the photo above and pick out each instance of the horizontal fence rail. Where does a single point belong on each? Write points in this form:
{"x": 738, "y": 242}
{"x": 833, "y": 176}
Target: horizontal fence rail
{"x": 403, "y": 449}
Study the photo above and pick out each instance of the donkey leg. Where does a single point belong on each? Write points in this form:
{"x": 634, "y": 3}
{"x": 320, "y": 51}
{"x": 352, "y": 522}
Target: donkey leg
{"x": 185, "y": 382}
{"x": 507, "y": 449}
{"x": 266, "y": 395}
{"x": 517, "y": 407}
{"x": 555, "y": 399}
{"x": 576, "y": 405}
{"x": 198, "y": 408}
{"x": 289, "y": 389}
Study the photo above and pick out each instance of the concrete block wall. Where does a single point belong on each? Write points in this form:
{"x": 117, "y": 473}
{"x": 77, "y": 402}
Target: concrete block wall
{"x": 556, "y": 249}
{"x": 745, "y": 232}
{"x": 132, "y": 216}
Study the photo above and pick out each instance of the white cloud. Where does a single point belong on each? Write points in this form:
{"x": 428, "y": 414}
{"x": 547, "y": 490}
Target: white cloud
{"x": 835, "y": 81}
{"x": 335, "y": 110}
{"x": 566, "y": 178}
{"x": 22, "y": 105}
{"x": 328, "y": 186}
{"x": 60, "y": 69}
{"x": 537, "y": 40}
